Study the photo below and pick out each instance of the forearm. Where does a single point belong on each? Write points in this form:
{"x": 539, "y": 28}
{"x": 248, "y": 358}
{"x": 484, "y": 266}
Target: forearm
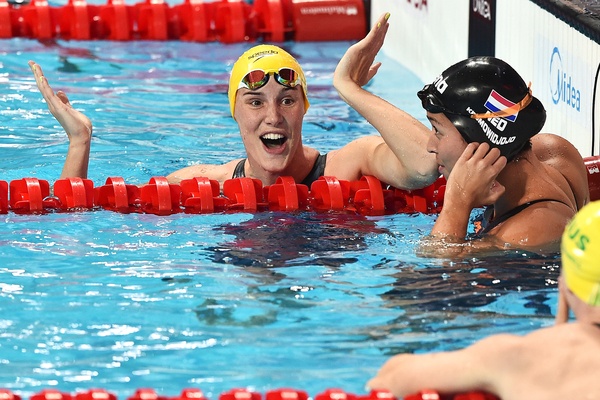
{"x": 452, "y": 222}
{"x": 448, "y": 235}
{"x": 77, "y": 160}
{"x": 445, "y": 372}
{"x": 405, "y": 135}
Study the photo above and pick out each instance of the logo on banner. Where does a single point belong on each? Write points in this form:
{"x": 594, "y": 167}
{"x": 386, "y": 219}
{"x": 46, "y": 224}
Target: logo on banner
{"x": 496, "y": 102}
{"x": 562, "y": 84}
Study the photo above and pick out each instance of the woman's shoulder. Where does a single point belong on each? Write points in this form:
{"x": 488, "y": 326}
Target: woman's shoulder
{"x": 561, "y": 155}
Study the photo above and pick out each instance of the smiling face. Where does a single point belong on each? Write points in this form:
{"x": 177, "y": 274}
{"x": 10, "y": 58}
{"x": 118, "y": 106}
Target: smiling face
{"x": 270, "y": 122}
{"x": 445, "y": 142}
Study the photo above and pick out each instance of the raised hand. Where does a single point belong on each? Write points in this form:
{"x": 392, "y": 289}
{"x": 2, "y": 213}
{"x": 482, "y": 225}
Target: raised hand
{"x": 473, "y": 178}
{"x": 357, "y": 64}
{"x": 77, "y": 126}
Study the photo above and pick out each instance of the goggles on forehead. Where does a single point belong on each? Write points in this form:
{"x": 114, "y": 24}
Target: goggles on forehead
{"x": 258, "y": 78}
{"x": 432, "y": 104}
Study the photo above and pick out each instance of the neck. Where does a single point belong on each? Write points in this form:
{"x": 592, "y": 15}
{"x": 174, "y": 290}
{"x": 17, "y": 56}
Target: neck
{"x": 298, "y": 167}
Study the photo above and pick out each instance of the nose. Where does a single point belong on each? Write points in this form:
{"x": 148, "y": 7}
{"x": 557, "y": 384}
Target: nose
{"x": 432, "y": 144}
{"x": 274, "y": 115}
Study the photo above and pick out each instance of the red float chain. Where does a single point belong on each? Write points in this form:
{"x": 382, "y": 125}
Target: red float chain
{"x": 202, "y": 195}
{"x": 227, "y": 21}
{"x": 243, "y": 394}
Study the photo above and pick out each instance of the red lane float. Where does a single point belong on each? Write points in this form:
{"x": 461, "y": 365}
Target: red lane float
{"x": 244, "y": 394}
{"x": 202, "y": 195}
{"x": 433, "y": 395}
{"x": 227, "y": 21}
{"x": 592, "y": 165}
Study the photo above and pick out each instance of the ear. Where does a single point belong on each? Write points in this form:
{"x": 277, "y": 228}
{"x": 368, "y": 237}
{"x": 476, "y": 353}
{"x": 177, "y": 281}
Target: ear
{"x": 562, "y": 310}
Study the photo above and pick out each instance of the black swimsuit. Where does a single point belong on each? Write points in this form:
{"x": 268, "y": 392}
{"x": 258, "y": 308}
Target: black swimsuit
{"x": 315, "y": 173}
{"x": 488, "y": 225}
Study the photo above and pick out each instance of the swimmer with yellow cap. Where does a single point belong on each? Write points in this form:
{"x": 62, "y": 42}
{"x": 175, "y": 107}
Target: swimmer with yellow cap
{"x": 554, "y": 362}
{"x": 580, "y": 252}
{"x": 255, "y": 67}
{"x": 268, "y": 99}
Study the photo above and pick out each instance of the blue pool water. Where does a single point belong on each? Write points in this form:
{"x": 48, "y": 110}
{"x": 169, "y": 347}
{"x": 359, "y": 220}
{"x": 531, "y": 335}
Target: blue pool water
{"x": 268, "y": 300}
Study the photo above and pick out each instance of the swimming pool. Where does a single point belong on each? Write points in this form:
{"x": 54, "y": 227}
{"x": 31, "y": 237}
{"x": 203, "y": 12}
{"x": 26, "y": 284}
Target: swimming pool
{"x": 268, "y": 300}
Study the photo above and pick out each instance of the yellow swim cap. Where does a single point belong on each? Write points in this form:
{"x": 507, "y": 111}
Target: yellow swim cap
{"x": 580, "y": 250}
{"x": 267, "y": 58}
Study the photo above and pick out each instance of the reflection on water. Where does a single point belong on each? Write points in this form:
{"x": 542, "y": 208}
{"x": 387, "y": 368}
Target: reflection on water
{"x": 462, "y": 286}
{"x": 273, "y": 240}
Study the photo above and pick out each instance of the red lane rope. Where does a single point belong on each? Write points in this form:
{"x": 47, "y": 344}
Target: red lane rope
{"x": 228, "y": 21}
{"x": 244, "y": 394}
{"x": 368, "y": 196}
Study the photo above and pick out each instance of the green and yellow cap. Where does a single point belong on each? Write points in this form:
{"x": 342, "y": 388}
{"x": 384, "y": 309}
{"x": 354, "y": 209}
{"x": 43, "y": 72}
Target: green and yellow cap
{"x": 266, "y": 58}
{"x": 580, "y": 248}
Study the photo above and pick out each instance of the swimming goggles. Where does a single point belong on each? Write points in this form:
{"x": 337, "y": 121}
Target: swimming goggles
{"x": 432, "y": 104}
{"x": 258, "y": 78}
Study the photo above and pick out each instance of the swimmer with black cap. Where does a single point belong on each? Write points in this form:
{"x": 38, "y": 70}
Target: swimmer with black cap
{"x": 486, "y": 140}
{"x": 556, "y": 362}
{"x": 488, "y": 102}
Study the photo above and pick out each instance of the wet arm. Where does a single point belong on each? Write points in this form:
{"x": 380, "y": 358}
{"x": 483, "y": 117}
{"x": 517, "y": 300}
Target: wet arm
{"x": 408, "y": 165}
{"x": 485, "y": 366}
{"x": 76, "y": 125}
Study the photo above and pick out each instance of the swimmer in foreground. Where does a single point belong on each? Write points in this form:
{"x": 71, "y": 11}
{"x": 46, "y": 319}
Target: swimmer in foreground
{"x": 558, "y": 362}
{"x": 268, "y": 97}
{"x": 486, "y": 140}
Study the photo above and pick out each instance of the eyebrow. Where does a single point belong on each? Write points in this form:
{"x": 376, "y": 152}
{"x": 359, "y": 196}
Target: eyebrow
{"x": 432, "y": 119}
{"x": 260, "y": 93}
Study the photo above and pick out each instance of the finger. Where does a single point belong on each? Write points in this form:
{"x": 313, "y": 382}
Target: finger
{"x": 500, "y": 163}
{"x": 63, "y": 97}
{"x": 381, "y": 27}
{"x": 482, "y": 150}
{"x": 383, "y": 20}
{"x": 37, "y": 71}
{"x": 469, "y": 151}
{"x": 373, "y": 70}
{"x": 45, "y": 89}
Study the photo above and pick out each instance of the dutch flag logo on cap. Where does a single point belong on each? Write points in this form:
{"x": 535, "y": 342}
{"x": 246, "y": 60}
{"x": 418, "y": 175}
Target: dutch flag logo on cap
{"x": 496, "y": 102}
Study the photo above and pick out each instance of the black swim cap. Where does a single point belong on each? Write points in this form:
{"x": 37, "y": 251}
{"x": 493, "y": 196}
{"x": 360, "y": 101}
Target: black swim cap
{"x": 487, "y": 101}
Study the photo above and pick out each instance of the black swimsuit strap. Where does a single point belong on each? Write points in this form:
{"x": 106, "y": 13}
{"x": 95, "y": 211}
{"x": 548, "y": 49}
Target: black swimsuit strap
{"x": 497, "y": 221}
{"x": 239, "y": 172}
{"x": 315, "y": 173}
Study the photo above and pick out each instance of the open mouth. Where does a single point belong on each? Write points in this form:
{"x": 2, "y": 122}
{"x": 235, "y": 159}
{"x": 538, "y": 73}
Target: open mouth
{"x": 272, "y": 140}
